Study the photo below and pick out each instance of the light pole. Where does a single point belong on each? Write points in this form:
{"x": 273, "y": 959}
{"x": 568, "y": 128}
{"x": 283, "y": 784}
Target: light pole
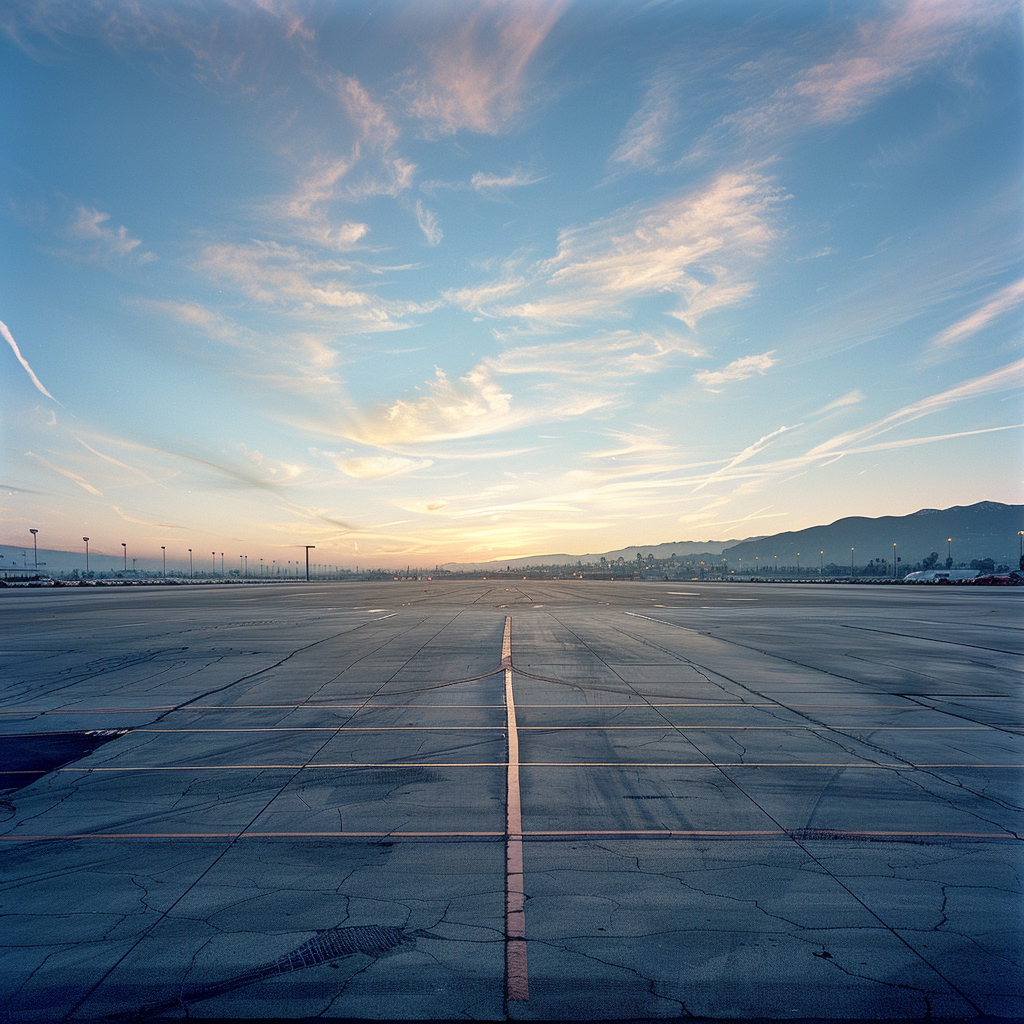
{"x": 261, "y": 568}
{"x": 163, "y": 551}
{"x": 798, "y": 563}
{"x": 756, "y": 563}
{"x": 35, "y": 550}
{"x": 821, "y": 564}
{"x": 239, "y": 565}
{"x": 222, "y": 563}
{"x": 776, "y": 565}
{"x": 1020, "y": 534}
{"x": 246, "y": 557}
{"x": 190, "y": 563}
{"x": 125, "y": 546}
{"x": 213, "y": 556}
{"x": 949, "y": 552}
{"x": 851, "y": 564}
{"x": 308, "y": 547}
{"x": 86, "y": 539}
{"x": 895, "y": 576}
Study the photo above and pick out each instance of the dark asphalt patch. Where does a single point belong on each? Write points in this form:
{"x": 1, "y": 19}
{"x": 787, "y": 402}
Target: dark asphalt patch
{"x": 23, "y": 759}
{"x": 325, "y": 947}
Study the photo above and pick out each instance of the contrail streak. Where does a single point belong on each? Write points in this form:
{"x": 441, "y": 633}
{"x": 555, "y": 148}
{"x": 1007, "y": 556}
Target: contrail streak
{"x": 24, "y": 362}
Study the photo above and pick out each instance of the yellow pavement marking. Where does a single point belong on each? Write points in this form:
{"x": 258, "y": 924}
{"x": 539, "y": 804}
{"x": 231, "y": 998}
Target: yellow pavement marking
{"x": 520, "y": 764}
{"x": 796, "y": 727}
{"x": 806, "y": 835}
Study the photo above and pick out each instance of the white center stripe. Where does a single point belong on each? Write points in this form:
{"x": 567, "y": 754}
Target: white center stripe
{"x": 516, "y": 985}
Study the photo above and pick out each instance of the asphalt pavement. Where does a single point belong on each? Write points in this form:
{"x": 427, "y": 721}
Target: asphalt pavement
{"x": 512, "y": 800}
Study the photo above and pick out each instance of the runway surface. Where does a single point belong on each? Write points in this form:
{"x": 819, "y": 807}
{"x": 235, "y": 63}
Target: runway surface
{"x": 524, "y": 800}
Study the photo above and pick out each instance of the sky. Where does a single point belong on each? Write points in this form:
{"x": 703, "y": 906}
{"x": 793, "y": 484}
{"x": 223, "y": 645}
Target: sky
{"x": 418, "y": 282}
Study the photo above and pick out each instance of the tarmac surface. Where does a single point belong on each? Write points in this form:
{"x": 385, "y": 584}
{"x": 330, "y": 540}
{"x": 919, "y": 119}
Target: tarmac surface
{"x": 524, "y": 800}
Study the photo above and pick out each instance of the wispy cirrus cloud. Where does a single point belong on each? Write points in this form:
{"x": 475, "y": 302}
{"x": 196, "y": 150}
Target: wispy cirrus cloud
{"x": 371, "y": 119}
{"x": 211, "y": 322}
{"x": 596, "y": 359}
{"x": 67, "y": 473}
{"x": 9, "y": 338}
{"x": 301, "y": 283}
{"x": 486, "y": 184}
{"x": 739, "y": 369}
{"x": 1005, "y": 377}
{"x": 307, "y": 208}
{"x": 882, "y": 54}
{"x": 370, "y": 168}
{"x": 747, "y": 472}
{"x": 221, "y": 49}
{"x": 293, "y": 361}
{"x": 477, "y": 71}
{"x": 646, "y": 132}
{"x": 379, "y": 467}
{"x": 851, "y": 398}
{"x": 1003, "y": 301}
{"x": 428, "y": 224}
{"x": 469, "y": 406}
{"x": 746, "y": 455}
{"x": 519, "y": 178}
{"x": 483, "y": 296}
{"x": 100, "y": 243}
{"x": 693, "y": 245}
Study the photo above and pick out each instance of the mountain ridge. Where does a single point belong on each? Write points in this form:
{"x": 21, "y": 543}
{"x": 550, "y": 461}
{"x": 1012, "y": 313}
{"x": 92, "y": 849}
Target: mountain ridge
{"x": 986, "y": 529}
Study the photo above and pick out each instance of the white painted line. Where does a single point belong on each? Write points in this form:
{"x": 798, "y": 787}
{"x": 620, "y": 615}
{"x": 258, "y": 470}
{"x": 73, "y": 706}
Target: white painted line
{"x": 517, "y": 987}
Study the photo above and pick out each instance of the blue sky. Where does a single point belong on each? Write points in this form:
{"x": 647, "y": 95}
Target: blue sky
{"x": 419, "y": 282}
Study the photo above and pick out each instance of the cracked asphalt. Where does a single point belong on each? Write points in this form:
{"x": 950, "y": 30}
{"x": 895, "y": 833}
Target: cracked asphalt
{"x": 737, "y": 801}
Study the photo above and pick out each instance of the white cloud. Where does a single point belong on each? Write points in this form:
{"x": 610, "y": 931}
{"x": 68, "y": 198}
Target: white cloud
{"x": 471, "y": 406}
{"x": 74, "y": 477}
{"x": 883, "y": 55}
{"x": 690, "y": 245}
{"x": 645, "y": 134}
{"x": 598, "y": 358}
{"x": 744, "y": 456}
{"x": 738, "y": 369}
{"x": 307, "y": 207}
{"x": 645, "y": 443}
{"x": 474, "y": 404}
{"x": 9, "y": 338}
{"x": 1002, "y": 302}
{"x": 103, "y": 244}
{"x": 303, "y": 285}
{"x": 476, "y": 299}
{"x": 477, "y": 70}
{"x": 209, "y": 321}
{"x": 516, "y": 179}
{"x": 428, "y": 224}
{"x": 370, "y": 118}
{"x": 378, "y": 467}
{"x": 844, "y": 401}
{"x": 1006, "y": 377}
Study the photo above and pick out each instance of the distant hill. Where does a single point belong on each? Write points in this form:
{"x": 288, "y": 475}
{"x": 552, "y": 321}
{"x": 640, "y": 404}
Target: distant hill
{"x": 985, "y": 530}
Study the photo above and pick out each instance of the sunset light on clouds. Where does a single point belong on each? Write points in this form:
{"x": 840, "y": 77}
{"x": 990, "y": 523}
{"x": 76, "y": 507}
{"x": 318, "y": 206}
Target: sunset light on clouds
{"x": 419, "y": 282}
